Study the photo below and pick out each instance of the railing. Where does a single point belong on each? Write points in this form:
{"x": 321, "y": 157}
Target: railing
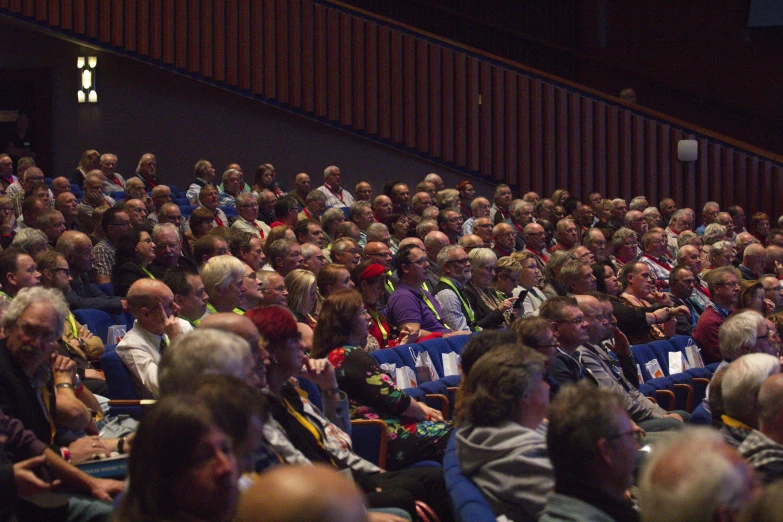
{"x": 410, "y": 89}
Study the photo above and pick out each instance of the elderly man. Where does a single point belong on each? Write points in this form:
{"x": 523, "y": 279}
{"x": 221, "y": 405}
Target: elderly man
{"x": 434, "y": 242}
{"x": 152, "y": 304}
{"x": 146, "y": 170}
{"x": 592, "y": 445}
{"x": 363, "y": 191}
{"x": 652, "y": 216}
{"x": 709, "y": 214}
{"x": 314, "y": 206}
{"x": 114, "y": 223}
{"x": 695, "y": 477}
{"x": 680, "y": 221}
{"x": 382, "y": 209}
{"x": 450, "y": 223}
{"x": 272, "y": 287}
{"x": 301, "y": 188}
{"x": 112, "y": 181}
{"x": 266, "y": 206}
{"x": 204, "y": 174}
{"x": 286, "y": 212}
{"x": 521, "y": 216}
{"x": 77, "y": 249}
{"x": 380, "y": 253}
{"x": 479, "y": 208}
{"x": 32, "y": 178}
{"x": 209, "y": 246}
{"x": 400, "y": 196}
{"x": 68, "y": 206}
{"x": 667, "y": 207}
{"x": 503, "y": 239}
{"x": 284, "y": 256}
{"x": 595, "y": 241}
{"x": 634, "y": 220}
{"x": 569, "y": 326}
{"x": 135, "y": 189}
{"x": 535, "y": 243}
{"x": 576, "y": 276}
{"x": 690, "y": 256}
{"x": 454, "y": 270}
{"x": 335, "y": 195}
{"x": 247, "y": 208}
{"x": 94, "y": 197}
{"x": 248, "y": 248}
{"x": 410, "y": 307}
{"x": 160, "y": 196}
{"x": 168, "y": 250}
{"x": 499, "y": 212}
{"x": 421, "y": 201}
{"x": 346, "y": 251}
{"x": 681, "y": 283}
{"x": 378, "y": 232}
{"x": 763, "y": 447}
{"x": 753, "y": 260}
{"x": 483, "y": 228}
{"x": 225, "y": 284}
{"x": 52, "y": 223}
{"x": 654, "y": 256}
{"x": 209, "y": 199}
{"x": 313, "y": 258}
{"x": 618, "y": 208}
{"x": 724, "y": 291}
{"x": 567, "y": 234}
{"x": 60, "y": 185}
{"x": 232, "y": 187}
{"x": 772, "y": 290}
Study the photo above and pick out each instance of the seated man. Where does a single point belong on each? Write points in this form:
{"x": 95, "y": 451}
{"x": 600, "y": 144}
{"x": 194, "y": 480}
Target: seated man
{"x": 209, "y": 246}
{"x": 763, "y": 447}
{"x": 152, "y": 304}
{"x": 454, "y": 273}
{"x": 93, "y": 198}
{"x": 160, "y": 196}
{"x": 204, "y": 174}
{"x": 114, "y": 223}
{"x": 209, "y": 199}
{"x": 188, "y": 290}
{"x": 314, "y": 206}
{"x": 724, "y": 290}
{"x": 17, "y": 271}
{"x": 247, "y": 221}
{"x": 168, "y": 250}
{"x": 248, "y": 248}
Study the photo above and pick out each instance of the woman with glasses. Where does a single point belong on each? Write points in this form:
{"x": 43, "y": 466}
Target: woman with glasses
{"x": 529, "y": 279}
{"x": 491, "y": 310}
{"x": 503, "y": 401}
{"x": 135, "y": 252}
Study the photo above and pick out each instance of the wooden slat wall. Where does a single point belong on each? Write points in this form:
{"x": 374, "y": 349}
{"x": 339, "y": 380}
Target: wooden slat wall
{"x": 493, "y": 120}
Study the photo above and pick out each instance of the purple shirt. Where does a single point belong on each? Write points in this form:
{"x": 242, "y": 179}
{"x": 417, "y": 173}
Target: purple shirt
{"x": 406, "y": 305}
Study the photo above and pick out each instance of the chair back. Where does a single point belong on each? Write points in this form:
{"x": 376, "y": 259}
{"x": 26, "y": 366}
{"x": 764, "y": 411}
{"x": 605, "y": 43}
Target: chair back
{"x": 467, "y": 501}
{"x": 96, "y": 321}
{"x": 118, "y": 379}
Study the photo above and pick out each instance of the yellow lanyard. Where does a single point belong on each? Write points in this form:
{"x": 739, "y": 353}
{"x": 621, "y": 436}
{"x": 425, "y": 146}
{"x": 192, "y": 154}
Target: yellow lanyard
{"x": 432, "y": 307}
{"x": 377, "y": 317}
{"x": 237, "y": 311}
{"x": 74, "y": 329}
{"x": 307, "y": 425}
{"x": 388, "y": 283}
{"x": 47, "y": 399}
{"x": 149, "y": 274}
{"x": 465, "y": 305}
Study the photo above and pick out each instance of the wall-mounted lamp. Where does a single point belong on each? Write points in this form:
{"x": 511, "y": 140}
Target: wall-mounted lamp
{"x": 687, "y": 150}
{"x": 86, "y": 66}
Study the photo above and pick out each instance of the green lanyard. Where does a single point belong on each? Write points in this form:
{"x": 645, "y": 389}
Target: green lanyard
{"x": 465, "y": 305}
{"x": 432, "y": 307}
{"x": 149, "y": 274}
{"x": 212, "y": 310}
{"x": 376, "y": 316}
{"x": 388, "y": 284}
{"x": 74, "y": 329}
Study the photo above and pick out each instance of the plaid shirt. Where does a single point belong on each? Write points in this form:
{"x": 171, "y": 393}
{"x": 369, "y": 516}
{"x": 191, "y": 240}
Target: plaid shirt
{"x": 105, "y": 254}
{"x": 764, "y": 454}
{"x": 226, "y": 200}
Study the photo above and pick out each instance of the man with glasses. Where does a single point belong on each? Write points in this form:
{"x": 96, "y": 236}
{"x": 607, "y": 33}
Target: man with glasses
{"x": 772, "y": 290}
{"x": 247, "y": 208}
{"x": 168, "y": 250}
{"x": 724, "y": 288}
{"x": 115, "y": 221}
{"x": 160, "y": 196}
{"x": 454, "y": 273}
{"x": 450, "y": 223}
{"x": 654, "y": 256}
{"x": 569, "y": 327}
{"x": 504, "y": 240}
{"x": 94, "y": 197}
{"x": 607, "y": 370}
{"x": 314, "y": 206}
{"x": 479, "y": 208}
{"x": 535, "y": 243}
{"x": 380, "y": 253}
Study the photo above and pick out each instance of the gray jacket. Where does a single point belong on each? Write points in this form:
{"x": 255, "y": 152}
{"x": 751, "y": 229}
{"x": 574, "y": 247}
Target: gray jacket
{"x": 510, "y": 465}
{"x": 562, "y": 508}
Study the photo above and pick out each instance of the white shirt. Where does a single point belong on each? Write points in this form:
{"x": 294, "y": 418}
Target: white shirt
{"x": 244, "y": 225}
{"x": 334, "y": 201}
{"x": 140, "y": 352}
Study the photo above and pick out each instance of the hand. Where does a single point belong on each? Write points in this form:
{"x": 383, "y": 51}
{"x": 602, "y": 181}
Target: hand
{"x": 507, "y": 304}
{"x": 64, "y": 370}
{"x": 409, "y": 335}
{"x": 768, "y": 306}
{"x": 105, "y": 489}
{"x": 375, "y": 516}
{"x": 171, "y": 326}
{"x": 321, "y": 372}
{"x": 778, "y": 269}
{"x": 87, "y": 448}
{"x": 432, "y": 414}
{"x": 673, "y": 416}
{"x": 661, "y": 298}
{"x": 27, "y": 483}
{"x": 638, "y": 428}
{"x": 679, "y": 311}
{"x": 622, "y": 348}
{"x": 94, "y": 374}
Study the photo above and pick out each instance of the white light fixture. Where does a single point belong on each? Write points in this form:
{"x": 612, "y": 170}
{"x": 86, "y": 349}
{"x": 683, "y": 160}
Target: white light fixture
{"x": 687, "y": 150}
{"x": 86, "y": 66}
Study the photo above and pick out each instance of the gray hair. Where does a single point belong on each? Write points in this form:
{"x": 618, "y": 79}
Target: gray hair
{"x": 245, "y": 197}
{"x": 556, "y": 261}
{"x": 357, "y": 207}
{"x": 619, "y": 237}
{"x": 162, "y": 227}
{"x": 638, "y": 203}
{"x": 29, "y": 296}
{"x": 739, "y": 331}
{"x": 373, "y": 231}
{"x": 687, "y": 238}
{"x": 229, "y": 173}
{"x": 615, "y": 202}
{"x": 720, "y": 247}
{"x": 650, "y": 210}
{"x": 445, "y": 254}
{"x": 30, "y": 240}
{"x": 713, "y": 233}
{"x": 330, "y": 215}
{"x": 446, "y": 197}
{"x": 206, "y": 351}
{"x": 481, "y": 257}
{"x": 221, "y": 271}
{"x": 699, "y": 479}
{"x": 316, "y": 195}
{"x": 742, "y": 382}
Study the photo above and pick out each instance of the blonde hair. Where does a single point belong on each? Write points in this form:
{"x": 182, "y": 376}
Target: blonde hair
{"x": 298, "y": 283}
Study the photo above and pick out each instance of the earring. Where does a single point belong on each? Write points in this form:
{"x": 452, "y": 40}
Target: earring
{"x": 272, "y": 359}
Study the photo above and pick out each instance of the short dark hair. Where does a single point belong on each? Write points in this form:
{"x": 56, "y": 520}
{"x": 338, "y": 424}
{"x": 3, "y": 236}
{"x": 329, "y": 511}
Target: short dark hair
{"x": 109, "y": 217}
{"x": 177, "y": 280}
{"x": 552, "y": 309}
{"x": 301, "y": 226}
{"x": 482, "y": 342}
{"x": 240, "y": 241}
{"x": 403, "y": 257}
{"x": 284, "y": 205}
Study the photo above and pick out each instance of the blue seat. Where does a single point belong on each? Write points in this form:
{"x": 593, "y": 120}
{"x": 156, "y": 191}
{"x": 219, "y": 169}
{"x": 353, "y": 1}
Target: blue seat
{"x": 313, "y": 392}
{"x": 181, "y": 202}
{"x": 643, "y": 354}
{"x": 48, "y": 181}
{"x": 387, "y": 356}
{"x": 107, "y": 288}
{"x": 467, "y": 501}
{"x": 96, "y": 321}
{"x": 118, "y": 195}
{"x": 120, "y": 384}
{"x": 436, "y": 348}
{"x": 187, "y": 210}
{"x": 370, "y": 440}
{"x": 700, "y": 416}
{"x": 458, "y": 342}
{"x": 75, "y": 188}
{"x": 229, "y": 211}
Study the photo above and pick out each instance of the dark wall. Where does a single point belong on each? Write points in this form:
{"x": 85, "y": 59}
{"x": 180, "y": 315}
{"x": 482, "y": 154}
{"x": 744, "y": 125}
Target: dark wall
{"x": 147, "y": 109}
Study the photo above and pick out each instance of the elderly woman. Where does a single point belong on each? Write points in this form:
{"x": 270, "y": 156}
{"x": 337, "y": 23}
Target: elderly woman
{"x": 552, "y": 288}
{"x": 182, "y": 466}
{"x": 529, "y": 279}
{"x": 491, "y": 310}
{"x": 135, "y": 252}
{"x": 721, "y": 254}
{"x": 369, "y": 279}
{"x": 625, "y": 247}
{"x": 417, "y": 432}
{"x": 32, "y": 241}
{"x": 759, "y": 226}
{"x": 503, "y": 401}
{"x": 302, "y": 296}
{"x": 447, "y": 199}
{"x": 224, "y": 283}
{"x": 398, "y": 224}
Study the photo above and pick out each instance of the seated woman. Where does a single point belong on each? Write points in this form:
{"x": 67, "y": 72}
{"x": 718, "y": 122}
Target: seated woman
{"x": 135, "y": 252}
{"x": 398, "y": 226}
{"x": 529, "y": 279}
{"x": 201, "y": 222}
{"x": 503, "y": 401}
{"x": 552, "y": 288}
{"x": 333, "y": 277}
{"x": 302, "y": 296}
{"x": 759, "y": 226}
{"x": 752, "y": 296}
{"x": 416, "y": 431}
{"x": 606, "y": 280}
{"x": 491, "y": 311}
{"x": 368, "y": 278}
{"x": 182, "y": 466}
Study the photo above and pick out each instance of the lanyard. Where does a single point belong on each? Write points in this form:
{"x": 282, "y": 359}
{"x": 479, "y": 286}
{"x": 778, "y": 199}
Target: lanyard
{"x": 432, "y": 307}
{"x": 465, "y": 306}
{"x": 47, "y": 400}
{"x": 388, "y": 283}
{"x": 149, "y": 274}
{"x": 218, "y": 220}
{"x": 258, "y": 228}
{"x": 377, "y": 318}
{"x": 306, "y": 425}
{"x": 338, "y": 195}
{"x": 72, "y": 322}
{"x": 659, "y": 263}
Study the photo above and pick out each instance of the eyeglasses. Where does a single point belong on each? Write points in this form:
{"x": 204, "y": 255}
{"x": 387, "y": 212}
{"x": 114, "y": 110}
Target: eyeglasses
{"x": 66, "y": 270}
{"x": 253, "y": 205}
{"x": 574, "y": 321}
{"x": 728, "y": 283}
{"x": 636, "y": 433}
{"x": 459, "y": 261}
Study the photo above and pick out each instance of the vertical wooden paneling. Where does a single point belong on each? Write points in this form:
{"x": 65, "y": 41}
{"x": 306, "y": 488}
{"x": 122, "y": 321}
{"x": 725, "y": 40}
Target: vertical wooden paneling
{"x": 485, "y": 120}
{"x": 245, "y": 45}
{"x": 396, "y": 84}
{"x": 524, "y": 144}
{"x": 131, "y": 12}
{"x": 308, "y": 56}
{"x": 156, "y": 30}
{"x": 28, "y": 8}
{"x": 587, "y": 132}
{"x": 295, "y": 54}
{"x": 447, "y": 102}
{"x": 664, "y": 177}
{"x": 564, "y": 180}
{"x": 15, "y": 6}
{"x": 333, "y": 61}
{"x": 346, "y": 69}
{"x": 767, "y": 184}
{"x": 282, "y": 57}
{"x": 511, "y": 137}
{"x": 740, "y": 174}
{"x": 359, "y": 79}
{"x": 321, "y": 34}
{"x": 384, "y": 82}
{"x": 435, "y": 112}
{"x": 703, "y": 175}
{"x": 117, "y": 29}
{"x": 104, "y": 22}
{"x": 91, "y": 19}
{"x": 422, "y": 95}
{"x": 498, "y": 164}
{"x": 777, "y": 188}
{"x": 717, "y": 180}
{"x": 726, "y": 195}
{"x": 683, "y": 179}
{"x": 54, "y": 13}
{"x": 600, "y": 152}
{"x": 626, "y": 154}
{"x": 181, "y": 34}
{"x": 753, "y": 180}
{"x": 232, "y": 42}
{"x": 268, "y": 40}
{"x": 461, "y": 109}
{"x": 551, "y": 175}
{"x": 218, "y": 50}
{"x": 66, "y": 14}
{"x": 79, "y": 22}
{"x": 207, "y": 39}
{"x": 194, "y": 37}
{"x": 651, "y": 173}
{"x": 371, "y": 70}
{"x": 258, "y": 38}
{"x": 144, "y": 27}
{"x": 536, "y": 130}
{"x": 42, "y": 10}
{"x": 575, "y": 145}
{"x": 409, "y": 89}
{"x": 473, "y": 114}
{"x": 613, "y": 151}
{"x": 638, "y": 154}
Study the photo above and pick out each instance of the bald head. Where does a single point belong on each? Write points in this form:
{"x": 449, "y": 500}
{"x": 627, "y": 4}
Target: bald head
{"x": 470, "y": 241}
{"x": 298, "y": 494}
{"x": 412, "y": 241}
{"x": 234, "y": 323}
